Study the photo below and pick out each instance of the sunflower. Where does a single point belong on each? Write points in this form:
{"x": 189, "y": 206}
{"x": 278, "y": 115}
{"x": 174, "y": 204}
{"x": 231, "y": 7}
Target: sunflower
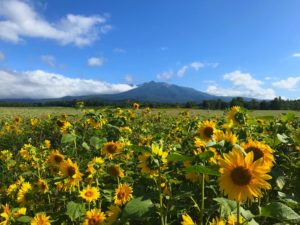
{"x": 94, "y": 217}
{"x": 28, "y": 152}
{"x": 241, "y": 178}
{"x": 216, "y": 157}
{"x": 200, "y": 145}
{"x": 47, "y": 143}
{"x": 232, "y": 219}
{"x": 111, "y": 148}
{"x": 123, "y": 194}
{"x": 136, "y": 106}
{"x": 150, "y": 163}
{"x": 41, "y": 219}
{"x": 11, "y": 189}
{"x": 5, "y": 215}
{"x": 206, "y": 129}
{"x": 235, "y": 116}
{"x": 19, "y": 212}
{"x": 217, "y": 221}
{"x": 70, "y": 171}
{"x": 18, "y": 119}
{"x": 63, "y": 126}
{"x": 34, "y": 121}
{"x": 112, "y": 214}
{"x": 6, "y": 155}
{"x": 228, "y": 137}
{"x": 115, "y": 171}
{"x": 94, "y": 166}
{"x": 42, "y": 184}
{"x": 90, "y": 193}
{"x": 22, "y": 193}
{"x": 187, "y": 220}
{"x": 260, "y": 150}
{"x": 55, "y": 158}
{"x": 20, "y": 181}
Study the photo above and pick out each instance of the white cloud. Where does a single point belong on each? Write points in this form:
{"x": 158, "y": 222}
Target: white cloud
{"x": 19, "y": 19}
{"x": 196, "y": 65}
{"x": 128, "y": 78}
{"x": 120, "y": 50}
{"x": 244, "y": 85}
{"x": 296, "y": 55}
{"x": 94, "y": 61}
{"x": 41, "y": 84}
{"x": 242, "y": 79}
{"x": 2, "y": 56}
{"x": 290, "y": 83}
{"x": 49, "y": 60}
{"x": 181, "y": 72}
{"x": 215, "y": 90}
{"x": 165, "y": 76}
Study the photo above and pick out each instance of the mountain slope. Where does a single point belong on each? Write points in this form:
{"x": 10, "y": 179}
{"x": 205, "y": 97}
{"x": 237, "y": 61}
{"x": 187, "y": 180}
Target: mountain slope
{"x": 160, "y": 92}
{"x": 147, "y": 92}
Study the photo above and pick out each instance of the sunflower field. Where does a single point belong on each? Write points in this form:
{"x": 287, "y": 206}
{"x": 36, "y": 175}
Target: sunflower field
{"x": 136, "y": 166}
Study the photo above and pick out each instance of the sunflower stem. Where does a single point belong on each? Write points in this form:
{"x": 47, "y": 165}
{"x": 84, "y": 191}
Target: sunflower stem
{"x": 160, "y": 199}
{"x": 238, "y": 212}
{"x": 202, "y": 199}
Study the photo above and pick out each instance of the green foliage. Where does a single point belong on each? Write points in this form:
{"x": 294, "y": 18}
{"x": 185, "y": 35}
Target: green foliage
{"x": 24, "y": 219}
{"x": 68, "y": 138}
{"x": 75, "y": 210}
{"x": 281, "y": 212}
{"x": 137, "y": 209}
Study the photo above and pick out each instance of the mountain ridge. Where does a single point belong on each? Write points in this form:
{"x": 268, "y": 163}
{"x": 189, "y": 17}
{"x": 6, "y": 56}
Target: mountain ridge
{"x": 147, "y": 92}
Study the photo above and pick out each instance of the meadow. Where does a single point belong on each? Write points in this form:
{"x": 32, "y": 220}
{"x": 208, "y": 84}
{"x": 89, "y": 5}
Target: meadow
{"x": 11, "y": 112}
{"x": 143, "y": 166}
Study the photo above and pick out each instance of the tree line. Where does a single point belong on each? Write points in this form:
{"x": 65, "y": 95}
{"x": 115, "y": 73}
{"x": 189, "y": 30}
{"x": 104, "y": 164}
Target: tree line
{"x": 275, "y": 104}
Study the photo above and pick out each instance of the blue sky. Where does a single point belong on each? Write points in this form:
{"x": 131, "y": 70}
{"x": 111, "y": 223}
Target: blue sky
{"x": 223, "y": 47}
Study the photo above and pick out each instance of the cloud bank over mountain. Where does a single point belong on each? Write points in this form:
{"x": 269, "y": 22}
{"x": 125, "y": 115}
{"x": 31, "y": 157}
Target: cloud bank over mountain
{"x": 39, "y": 84}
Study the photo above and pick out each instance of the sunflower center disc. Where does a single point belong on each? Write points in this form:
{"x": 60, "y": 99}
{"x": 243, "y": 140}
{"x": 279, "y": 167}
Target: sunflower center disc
{"x": 94, "y": 221}
{"x": 57, "y": 159}
{"x": 256, "y": 152}
{"x": 112, "y": 149}
{"x": 121, "y": 195}
{"x": 113, "y": 171}
{"x": 88, "y": 194}
{"x": 71, "y": 171}
{"x": 208, "y": 132}
{"x": 241, "y": 176}
{"x": 59, "y": 123}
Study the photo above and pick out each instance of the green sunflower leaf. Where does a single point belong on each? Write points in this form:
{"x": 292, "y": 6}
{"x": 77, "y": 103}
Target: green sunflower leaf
{"x": 24, "y": 219}
{"x": 97, "y": 142}
{"x": 137, "y": 208}
{"x": 176, "y": 157}
{"x": 206, "y": 155}
{"x": 75, "y": 210}
{"x": 281, "y": 212}
{"x": 68, "y": 138}
{"x": 208, "y": 170}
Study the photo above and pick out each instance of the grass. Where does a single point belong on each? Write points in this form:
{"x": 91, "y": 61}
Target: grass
{"x": 41, "y": 112}
{"x": 11, "y": 112}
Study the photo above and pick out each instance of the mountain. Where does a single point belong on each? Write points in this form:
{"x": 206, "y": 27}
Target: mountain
{"x": 160, "y": 92}
{"x": 148, "y": 92}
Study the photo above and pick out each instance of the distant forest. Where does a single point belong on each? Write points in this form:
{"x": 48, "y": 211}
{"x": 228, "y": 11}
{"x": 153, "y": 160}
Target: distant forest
{"x": 275, "y": 104}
